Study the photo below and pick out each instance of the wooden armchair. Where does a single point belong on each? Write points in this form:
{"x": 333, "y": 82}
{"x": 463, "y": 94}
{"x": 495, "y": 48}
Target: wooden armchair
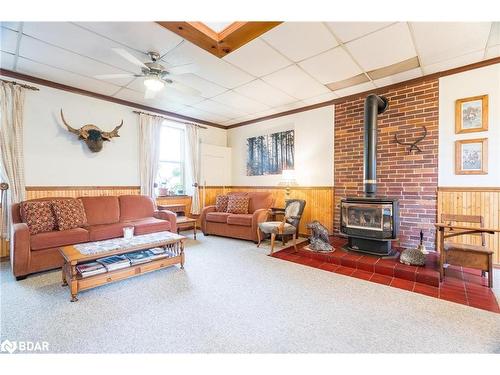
{"x": 294, "y": 208}
{"x": 461, "y": 254}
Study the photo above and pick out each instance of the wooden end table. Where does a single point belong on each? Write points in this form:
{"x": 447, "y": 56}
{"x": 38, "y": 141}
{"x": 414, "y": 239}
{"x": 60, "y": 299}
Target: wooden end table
{"x": 184, "y": 222}
{"x": 72, "y": 257}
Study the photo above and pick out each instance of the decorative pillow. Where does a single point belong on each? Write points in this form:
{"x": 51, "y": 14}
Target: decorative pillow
{"x": 237, "y": 204}
{"x": 38, "y": 215}
{"x": 221, "y": 203}
{"x": 69, "y": 213}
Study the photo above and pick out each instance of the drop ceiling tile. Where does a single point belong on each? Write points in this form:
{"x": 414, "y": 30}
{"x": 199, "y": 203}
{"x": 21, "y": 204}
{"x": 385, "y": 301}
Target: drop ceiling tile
{"x": 300, "y": 40}
{"x": 296, "y": 83}
{"x": 264, "y": 93}
{"x": 83, "y": 42}
{"x": 208, "y": 66}
{"x": 347, "y": 31}
{"x": 207, "y": 89}
{"x": 14, "y": 26}
{"x": 355, "y": 89}
{"x": 321, "y": 98}
{"x": 235, "y": 100}
{"x": 6, "y": 60}
{"x": 36, "y": 50}
{"x": 203, "y": 115}
{"x": 257, "y": 58}
{"x": 331, "y": 66}
{"x": 36, "y": 69}
{"x": 440, "y": 41}
{"x": 492, "y": 52}
{"x": 8, "y": 40}
{"x": 455, "y": 62}
{"x": 156, "y": 102}
{"x": 399, "y": 77}
{"x": 289, "y": 106}
{"x": 384, "y": 47}
{"x": 212, "y": 106}
{"x": 141, "y": 36}
{"x": 494, "y": 38}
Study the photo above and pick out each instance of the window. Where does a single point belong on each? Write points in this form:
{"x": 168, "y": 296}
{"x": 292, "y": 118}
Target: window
{"x": 171, "y": 168}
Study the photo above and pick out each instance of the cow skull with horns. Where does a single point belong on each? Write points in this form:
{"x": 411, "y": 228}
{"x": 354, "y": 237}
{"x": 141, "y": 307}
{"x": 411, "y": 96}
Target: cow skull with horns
{"x": 92, "y": 135}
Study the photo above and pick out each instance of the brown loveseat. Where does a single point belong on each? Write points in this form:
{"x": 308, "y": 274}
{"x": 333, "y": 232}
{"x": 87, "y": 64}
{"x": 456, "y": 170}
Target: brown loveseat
{"x": 106, "y": 218}
{"x": 243, "y": 226}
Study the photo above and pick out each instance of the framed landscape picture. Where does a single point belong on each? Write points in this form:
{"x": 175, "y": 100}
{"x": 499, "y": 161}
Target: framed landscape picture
{"x": 270, "y": 154}
{"x": 471, "y": 156}
{"x": 471, "y": 114}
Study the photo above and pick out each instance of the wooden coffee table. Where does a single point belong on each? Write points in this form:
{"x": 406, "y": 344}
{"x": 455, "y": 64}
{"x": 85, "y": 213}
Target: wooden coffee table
{"x": 184, "y": 222}
{"x": 91, "y": 251}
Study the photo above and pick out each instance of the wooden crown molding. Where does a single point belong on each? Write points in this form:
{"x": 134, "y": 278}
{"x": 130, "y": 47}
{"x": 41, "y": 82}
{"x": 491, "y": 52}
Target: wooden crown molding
{"x": 378, "y": 90}
{"x": 75, "y": 90}
{"x": 219, "y": 44}
{"x": 28, "y": 78}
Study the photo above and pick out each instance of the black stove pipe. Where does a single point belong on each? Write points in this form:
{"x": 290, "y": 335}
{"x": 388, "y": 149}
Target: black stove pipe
{"x": 374, "y": 105}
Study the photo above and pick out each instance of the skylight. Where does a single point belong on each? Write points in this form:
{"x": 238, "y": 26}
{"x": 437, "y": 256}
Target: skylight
{"x": 218, "y": 26}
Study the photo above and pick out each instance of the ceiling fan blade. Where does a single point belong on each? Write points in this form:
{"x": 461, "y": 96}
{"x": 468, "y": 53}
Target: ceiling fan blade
{"x": 150, "y": 94}
{"x": 113, "y": 76}
{"x": 183, "y": 69}
{"x": 128, "y": 56}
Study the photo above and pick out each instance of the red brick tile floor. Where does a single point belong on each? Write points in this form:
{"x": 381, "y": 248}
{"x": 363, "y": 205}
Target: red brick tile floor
{"x": 460, "y": 285}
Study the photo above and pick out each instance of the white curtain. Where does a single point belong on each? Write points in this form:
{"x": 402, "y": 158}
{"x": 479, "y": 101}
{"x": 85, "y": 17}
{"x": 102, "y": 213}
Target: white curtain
{"x": 11, "y": 148}
{"x": 149, "y": 152}
{"x": 193, "y": 156}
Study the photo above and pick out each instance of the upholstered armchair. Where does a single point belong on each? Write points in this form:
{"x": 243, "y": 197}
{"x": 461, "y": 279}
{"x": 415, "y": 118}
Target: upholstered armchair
{"x": 294, "y": 208}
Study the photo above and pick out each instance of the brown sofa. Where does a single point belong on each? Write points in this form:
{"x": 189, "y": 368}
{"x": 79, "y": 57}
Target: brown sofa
{"x": 106, "y": 218}
{"x": 243, "y": 226}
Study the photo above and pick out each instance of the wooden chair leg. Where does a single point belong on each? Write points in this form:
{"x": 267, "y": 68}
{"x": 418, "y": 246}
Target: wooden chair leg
{"x": 273, "y": 237}
{"x": 295, "y": 242}
{"x": 258, "y": 236}
{"x": 490, "y": 270}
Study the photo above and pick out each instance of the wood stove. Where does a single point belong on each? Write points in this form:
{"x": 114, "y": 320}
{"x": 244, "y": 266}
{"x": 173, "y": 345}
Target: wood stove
{"x": 370, "y": 222}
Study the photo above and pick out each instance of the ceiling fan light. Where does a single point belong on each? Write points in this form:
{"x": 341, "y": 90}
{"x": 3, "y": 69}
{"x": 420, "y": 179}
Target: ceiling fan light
{"x": 153, "y": 83}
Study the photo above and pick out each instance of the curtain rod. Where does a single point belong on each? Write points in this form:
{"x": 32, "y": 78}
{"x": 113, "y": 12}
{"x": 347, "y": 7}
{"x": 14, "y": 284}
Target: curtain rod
{"x": 170, "y": 119}
{"x": 22, "y": 85}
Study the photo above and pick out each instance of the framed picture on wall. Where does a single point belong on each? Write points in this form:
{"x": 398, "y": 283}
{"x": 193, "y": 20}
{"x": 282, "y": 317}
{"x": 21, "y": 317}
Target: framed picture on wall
{"x": 471, "y": 114}
{"x": 471, "y": 156}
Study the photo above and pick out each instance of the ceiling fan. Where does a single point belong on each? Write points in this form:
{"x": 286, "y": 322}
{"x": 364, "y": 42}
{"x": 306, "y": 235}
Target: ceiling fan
{"x": 156, "y": 76}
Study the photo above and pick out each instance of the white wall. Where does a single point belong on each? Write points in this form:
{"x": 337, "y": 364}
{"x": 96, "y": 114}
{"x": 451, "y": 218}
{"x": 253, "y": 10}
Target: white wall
{"x": 470, "y": 83}
{"x": 313, "y": 148}
{"x": 55, "y": 157}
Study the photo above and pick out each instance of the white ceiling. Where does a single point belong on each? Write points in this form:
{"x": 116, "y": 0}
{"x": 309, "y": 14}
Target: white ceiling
{"x": 286, "y": 68}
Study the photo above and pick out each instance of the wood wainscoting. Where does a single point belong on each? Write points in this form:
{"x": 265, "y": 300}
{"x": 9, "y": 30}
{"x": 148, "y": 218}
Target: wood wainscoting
{"x": 319, "y": 201}
{"x": 34, "y": 192}
{"x": 474, "y": 201}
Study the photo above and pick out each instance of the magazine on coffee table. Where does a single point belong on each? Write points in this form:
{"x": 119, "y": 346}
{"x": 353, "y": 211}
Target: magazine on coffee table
{"x": 90, "y": 269}
{"x": 115, "y": 262}
{"x": 139, "y": 257}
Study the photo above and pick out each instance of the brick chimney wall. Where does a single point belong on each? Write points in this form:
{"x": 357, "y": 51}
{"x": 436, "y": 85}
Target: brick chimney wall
{"x": 412, "y": 178}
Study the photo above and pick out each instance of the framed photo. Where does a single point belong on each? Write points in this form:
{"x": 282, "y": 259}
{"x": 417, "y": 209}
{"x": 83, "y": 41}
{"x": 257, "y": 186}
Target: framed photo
{"x": 471, "y": 114}
{"x": 471, "y": 156}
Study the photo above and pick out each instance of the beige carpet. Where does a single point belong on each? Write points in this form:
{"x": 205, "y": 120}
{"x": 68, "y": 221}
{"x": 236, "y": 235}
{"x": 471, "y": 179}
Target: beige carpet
{"x": 231, "y": 297}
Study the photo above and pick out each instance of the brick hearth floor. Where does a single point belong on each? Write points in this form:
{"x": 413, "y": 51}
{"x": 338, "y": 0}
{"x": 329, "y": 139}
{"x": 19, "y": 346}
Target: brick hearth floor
{"x": 460, "y": 285}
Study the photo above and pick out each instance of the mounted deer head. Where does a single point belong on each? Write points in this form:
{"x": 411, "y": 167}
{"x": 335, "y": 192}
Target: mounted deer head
{"x": 92, "y": 135}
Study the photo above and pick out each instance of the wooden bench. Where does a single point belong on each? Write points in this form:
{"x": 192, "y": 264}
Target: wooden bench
{"x": 460, "y": 254}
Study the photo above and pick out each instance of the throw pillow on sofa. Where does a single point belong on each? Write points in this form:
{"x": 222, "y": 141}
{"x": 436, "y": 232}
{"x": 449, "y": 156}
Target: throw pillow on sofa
{"x": 38, "y": 215}
{"x": 69, "y": 213}
{"x": 221, "y": 203}
{"x": 237, "y": 204}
